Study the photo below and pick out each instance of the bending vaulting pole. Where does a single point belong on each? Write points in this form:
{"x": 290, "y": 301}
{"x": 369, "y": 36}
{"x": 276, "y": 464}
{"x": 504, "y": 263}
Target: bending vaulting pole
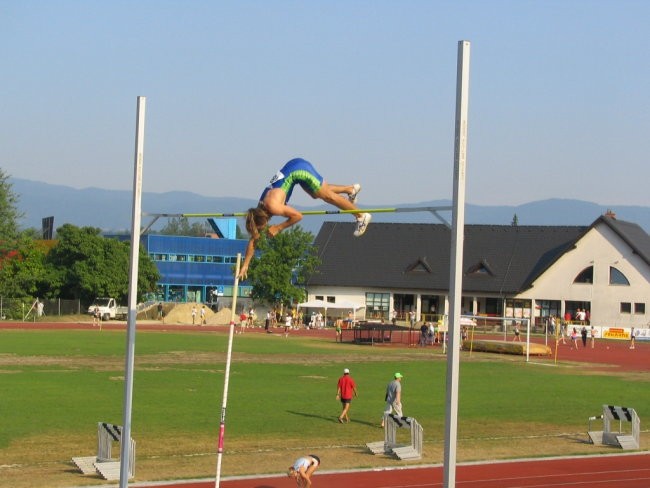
{"x": 456, "y": 265}
{"x": 125, "y": 445}
{"x": 226, "y": 381}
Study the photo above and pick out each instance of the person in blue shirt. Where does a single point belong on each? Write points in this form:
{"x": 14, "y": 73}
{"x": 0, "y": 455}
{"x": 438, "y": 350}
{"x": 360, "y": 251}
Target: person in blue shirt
{"x": 275, "y": 198}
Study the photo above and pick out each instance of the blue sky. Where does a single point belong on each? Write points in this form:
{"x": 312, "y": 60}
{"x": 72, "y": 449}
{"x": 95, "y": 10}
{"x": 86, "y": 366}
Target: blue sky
{"x": 559, "y": 95}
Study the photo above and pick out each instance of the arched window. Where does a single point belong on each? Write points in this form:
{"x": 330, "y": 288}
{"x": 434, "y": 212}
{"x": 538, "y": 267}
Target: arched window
{"x": 617, "y": 278}
{"x": 585, "y": 276}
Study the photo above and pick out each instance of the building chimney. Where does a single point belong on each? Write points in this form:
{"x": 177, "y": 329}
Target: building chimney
{"x": 610, "y": 214}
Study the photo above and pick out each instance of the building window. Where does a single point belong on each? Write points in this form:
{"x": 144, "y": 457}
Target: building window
{"x": 549, "y": 307}
{"x": 214, "y": 259}
{"x": 518, "y": 308}
{"x": 639, "y": 308}
{"x": 617, "y": 278}
{"x": 494, "y": 306}
{"x": 626, "y": 307}
{"x": 377, "y": 305}
{"x": 585, "y": 276}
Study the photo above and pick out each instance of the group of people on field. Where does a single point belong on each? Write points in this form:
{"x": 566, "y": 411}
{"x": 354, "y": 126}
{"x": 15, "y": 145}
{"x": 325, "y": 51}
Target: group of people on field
{"x": 346, "y": 389}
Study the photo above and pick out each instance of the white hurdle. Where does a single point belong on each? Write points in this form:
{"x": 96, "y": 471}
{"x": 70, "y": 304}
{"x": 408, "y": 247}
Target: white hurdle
{"x": 104, "y": 463}
{"x": 390, "y": 445}
{"x": 623, "y": 438}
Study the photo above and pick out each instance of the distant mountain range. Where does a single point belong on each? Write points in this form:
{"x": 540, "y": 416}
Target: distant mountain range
{"x": 110, "y": 210}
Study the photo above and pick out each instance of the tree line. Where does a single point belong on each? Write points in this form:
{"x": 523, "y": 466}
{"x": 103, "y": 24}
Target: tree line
{"x": 80, "y": 263}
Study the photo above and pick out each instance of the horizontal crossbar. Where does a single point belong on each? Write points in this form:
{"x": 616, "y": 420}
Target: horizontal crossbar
{"x": 433, "y": 210}
{"x": 306, "y": 212}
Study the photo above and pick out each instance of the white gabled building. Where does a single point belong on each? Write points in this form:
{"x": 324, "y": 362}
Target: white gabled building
{"x": 608, "y": 270}
{"x": 512, "y": 271}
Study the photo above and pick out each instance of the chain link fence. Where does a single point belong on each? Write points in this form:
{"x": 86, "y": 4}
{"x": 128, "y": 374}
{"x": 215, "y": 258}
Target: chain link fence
{"x": 35, "y": 309}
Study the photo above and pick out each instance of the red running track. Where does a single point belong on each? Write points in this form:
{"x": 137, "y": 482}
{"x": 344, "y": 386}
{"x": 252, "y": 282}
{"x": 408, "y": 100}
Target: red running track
{"x": 612, "y": 471}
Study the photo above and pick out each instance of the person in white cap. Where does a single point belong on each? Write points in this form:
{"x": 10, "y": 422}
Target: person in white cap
{"x": 345, "y": 390}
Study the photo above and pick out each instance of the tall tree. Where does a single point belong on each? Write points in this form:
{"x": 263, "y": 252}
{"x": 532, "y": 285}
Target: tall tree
{"x": 84, "y": 265}
{"x": 9, "y": 214}
{"x": 22, "y": 270}
{"x": 21, "y": 262}
{"x": 279, "y": 274}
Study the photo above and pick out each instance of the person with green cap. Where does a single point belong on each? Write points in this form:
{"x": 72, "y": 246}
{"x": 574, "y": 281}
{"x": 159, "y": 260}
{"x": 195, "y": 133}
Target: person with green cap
{"x": 393, "y": 397}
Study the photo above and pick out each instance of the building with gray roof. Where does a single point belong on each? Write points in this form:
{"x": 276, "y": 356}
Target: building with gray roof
{"x": 512, "y": 271}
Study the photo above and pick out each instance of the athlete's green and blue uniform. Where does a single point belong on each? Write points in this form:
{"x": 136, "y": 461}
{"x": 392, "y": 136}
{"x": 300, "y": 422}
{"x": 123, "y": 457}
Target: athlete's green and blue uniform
{"x": 296, "y": 172}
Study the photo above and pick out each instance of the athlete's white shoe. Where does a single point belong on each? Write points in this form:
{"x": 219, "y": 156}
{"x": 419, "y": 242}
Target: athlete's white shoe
{"x": 362, "y": 224}
{"x": 353, "y": 196}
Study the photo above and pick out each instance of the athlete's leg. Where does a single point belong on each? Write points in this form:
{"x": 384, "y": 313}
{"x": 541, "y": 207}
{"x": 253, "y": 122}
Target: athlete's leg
{"x": 332, "y": 195}
{"x": 347, "y": 189}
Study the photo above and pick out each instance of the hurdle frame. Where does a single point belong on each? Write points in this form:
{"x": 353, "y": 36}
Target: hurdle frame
{"x": 106, "y": 435}
{"x": 389, "y": 446}
{"x": 103, "y": 462}
{"x": 620, "y": 438}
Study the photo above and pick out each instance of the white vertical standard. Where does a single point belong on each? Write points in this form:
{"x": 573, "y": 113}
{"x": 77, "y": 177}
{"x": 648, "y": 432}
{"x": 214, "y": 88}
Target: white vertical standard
{"x": 125, "y": 446}
{"x": 456, "y": 264}
{"x": 226, "y": 381}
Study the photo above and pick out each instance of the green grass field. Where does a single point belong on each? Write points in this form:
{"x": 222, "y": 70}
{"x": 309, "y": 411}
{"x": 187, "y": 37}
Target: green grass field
{"x": 56, "y": 385}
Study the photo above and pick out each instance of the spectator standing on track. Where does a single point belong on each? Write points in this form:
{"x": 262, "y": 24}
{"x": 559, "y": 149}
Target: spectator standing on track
{"x": 394, "y": 317}
{"x": 339, "y": 332}
{"x": 96, "y": 316}
{"x": 303, "y": 469}
{"x": 346, "y": 388}
{"x": 517, "y": 333}
{"x": 593, "y": 336}
{"x": 424, "y": 329}
{"x": 574, "y": 338}
{"x": 393, "y": 397}
{"x": 632, "y": 338}
{"x": 551, "y": 324}
{"x": 160, "y": 311}
{"x": 287, "y": 324}
{"x": 203, "y": 315}
{"x": 583, "y": 334}
{"x": 193, "y": 314}
{"x": 242, "y": 322}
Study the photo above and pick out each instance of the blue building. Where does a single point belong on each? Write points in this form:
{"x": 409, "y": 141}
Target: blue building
{"x": 195, "y": 269}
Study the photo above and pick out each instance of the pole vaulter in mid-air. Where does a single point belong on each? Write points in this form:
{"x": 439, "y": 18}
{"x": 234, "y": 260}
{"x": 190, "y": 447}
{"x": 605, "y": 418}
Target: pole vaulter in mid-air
{"x": 275, "y": 197}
